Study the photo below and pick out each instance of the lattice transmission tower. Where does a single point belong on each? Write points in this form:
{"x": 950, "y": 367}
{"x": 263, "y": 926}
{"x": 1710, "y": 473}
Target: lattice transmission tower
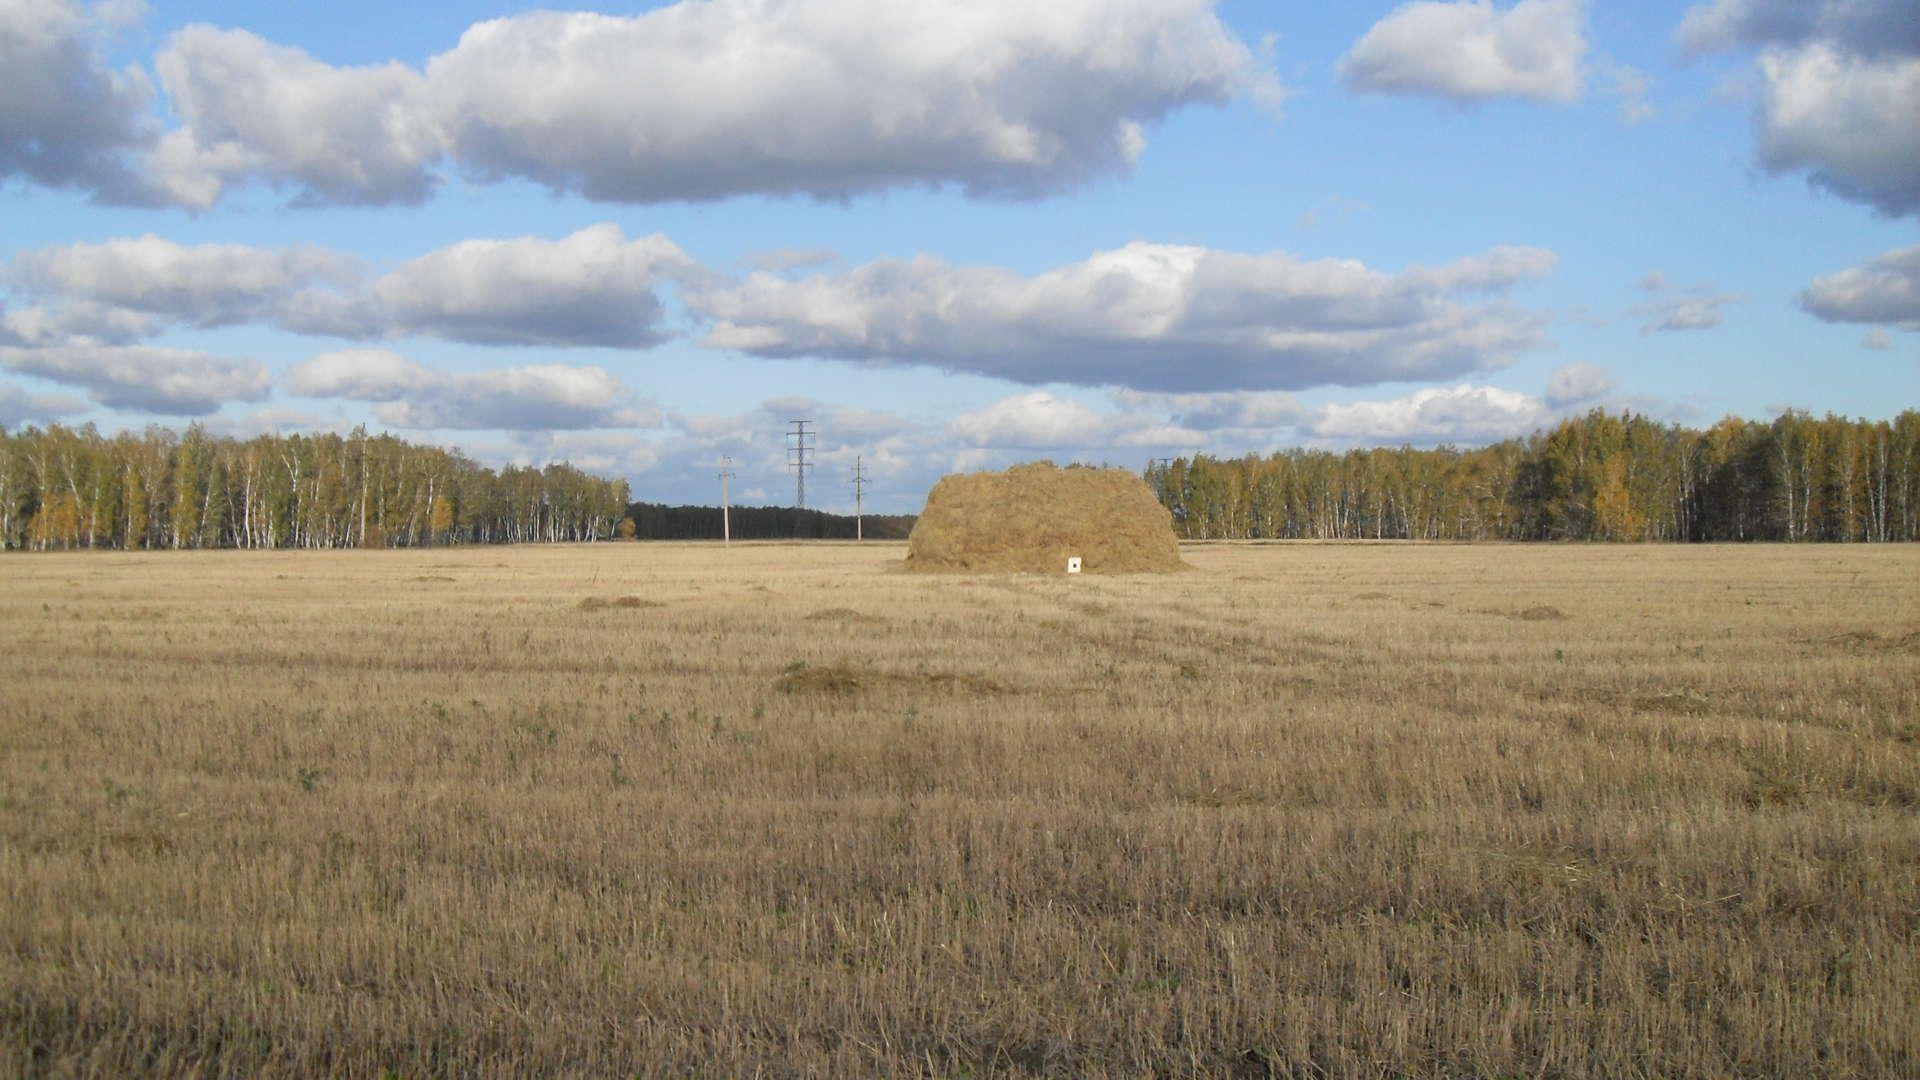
{"x": 802, "y": 441}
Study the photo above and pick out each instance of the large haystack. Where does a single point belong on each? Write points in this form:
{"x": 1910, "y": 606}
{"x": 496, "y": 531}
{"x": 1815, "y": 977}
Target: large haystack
{"x": 1032, "y": 518}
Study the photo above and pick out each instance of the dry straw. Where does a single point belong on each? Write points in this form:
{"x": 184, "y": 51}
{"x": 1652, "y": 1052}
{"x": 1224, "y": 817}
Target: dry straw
{"x": 1031, "y": 519}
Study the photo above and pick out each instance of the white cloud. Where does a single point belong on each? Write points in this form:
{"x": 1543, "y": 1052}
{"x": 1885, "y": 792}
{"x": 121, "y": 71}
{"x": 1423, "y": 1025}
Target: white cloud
{"x": 1161, "y": 437}
{"x": 1469, "y": 51}
{"x": 1877, "y": 339}
{"x": 535, "y": 397}
{"x": 695, "y": 101}
{"x": 1032, "y": 421}
{"x": 1436, "y": 414}
{"x": 250, "y": 108}
{"x": 17, "y": 407}
{"x": 1577, "y": 384}
{"x": 1220, "y": 409}
{"x": 592, "y": 288}
{"x": 269, "y": 420}
{"x": 66, "y": 118}
{"x": 82, "y": 323}
{"x": 174, "y": 382}
{"x": 359, "y": 374}
{"x": 1852, "y": 122}
{"x": 1840, "y": 90}
{"x": 201, "y": 285}
{"x": 1885, "y": 291}
{"x": 1147, "y": 316}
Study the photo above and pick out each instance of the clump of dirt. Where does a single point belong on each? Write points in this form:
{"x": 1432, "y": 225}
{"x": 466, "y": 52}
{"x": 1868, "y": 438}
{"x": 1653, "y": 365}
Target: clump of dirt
{"x": 1683, "y": 702}
{"x": 1872, "y": 641}
{"x": 952, "y": 682}
{"x": 800, "y": 677}
{"x": 844, "y": 615}
{"x": 1541, "y": 613}
{"x": 601, "y": 603}
{"x": 1031, "y": 519}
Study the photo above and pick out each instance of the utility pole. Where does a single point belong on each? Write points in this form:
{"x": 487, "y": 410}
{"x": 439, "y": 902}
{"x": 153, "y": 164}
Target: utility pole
{"x": 801, "y": 442}
{"x": 860, "y": 483}
{"x": 1160, "y": 482}
{"x": 726, "y": 507}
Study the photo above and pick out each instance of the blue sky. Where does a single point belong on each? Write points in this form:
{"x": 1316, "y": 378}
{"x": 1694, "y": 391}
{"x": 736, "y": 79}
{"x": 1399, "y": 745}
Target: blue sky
{"x": 642, "y": 236}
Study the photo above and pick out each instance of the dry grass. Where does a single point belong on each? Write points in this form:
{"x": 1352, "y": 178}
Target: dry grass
{"x": 1030, "y": 519}
{"x": 1308, "y": 810}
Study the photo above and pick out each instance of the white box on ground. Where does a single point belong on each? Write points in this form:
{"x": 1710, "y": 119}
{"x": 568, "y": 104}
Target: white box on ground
{"x": 1073, "y": 564}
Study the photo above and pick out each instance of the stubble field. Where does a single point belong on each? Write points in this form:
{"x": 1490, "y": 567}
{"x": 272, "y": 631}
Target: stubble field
{"x": 1355, "y": 810}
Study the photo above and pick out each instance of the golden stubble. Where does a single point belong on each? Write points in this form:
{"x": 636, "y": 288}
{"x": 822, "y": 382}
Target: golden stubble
{"x": 1307, "y": 810}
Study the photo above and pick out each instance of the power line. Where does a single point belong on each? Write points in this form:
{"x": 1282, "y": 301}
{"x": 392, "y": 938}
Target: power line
{"x": 860, "y": 483}
{"x": 801, "y": 443}
{"x": 1160, "y": 478}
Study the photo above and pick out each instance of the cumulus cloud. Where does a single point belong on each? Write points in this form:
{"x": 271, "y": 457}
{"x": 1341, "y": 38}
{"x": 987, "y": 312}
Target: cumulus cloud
{"x": 1850, "y": 121}
{"x": 592, "y": 288}
{"x": 1885, "y": 291}
{"x": 83, "y": 323}
{"x": 18, "y": 408}
{"x": 1840, "y": 90}
{"x": 705, "y": 100}
{"x": 203, "y": 285}
{"x": 1436, "y": 414}
{"x": 172, "y": 382}
{"x": 1578, "y": 384}
{"x": 252, "y": 109}
{"x": 1470, "y": 51}
{"x": 1220, "y": 409}
{"x": 66, "y": 118}
{"x": 1877, "y": 339}
{"x": 1146, "y": 316}
{"x": 359, "y": 374}
{"x": 536, "y": 397}
{"x": 1032, "y": 421}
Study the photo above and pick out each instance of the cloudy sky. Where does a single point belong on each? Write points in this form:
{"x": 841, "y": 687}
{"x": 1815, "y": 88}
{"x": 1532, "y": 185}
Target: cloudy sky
{"x": 955, "y": 234}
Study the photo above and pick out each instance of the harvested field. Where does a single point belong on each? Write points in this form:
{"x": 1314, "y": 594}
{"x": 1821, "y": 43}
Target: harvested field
{"x": 1358, "y": 810}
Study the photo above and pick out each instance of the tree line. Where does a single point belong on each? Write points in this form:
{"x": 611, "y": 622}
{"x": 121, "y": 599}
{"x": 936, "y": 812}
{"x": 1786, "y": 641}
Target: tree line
{"x": 1595, "y": 477}
{"x": 76, "y": 488}
{"x": 653, "y": 521}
